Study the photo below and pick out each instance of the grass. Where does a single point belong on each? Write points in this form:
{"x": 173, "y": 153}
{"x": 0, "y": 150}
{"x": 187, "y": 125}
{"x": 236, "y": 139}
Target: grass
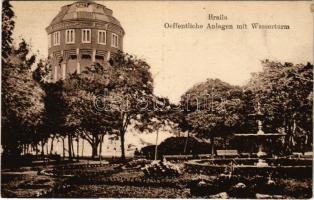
{"x": 118, "y": 182}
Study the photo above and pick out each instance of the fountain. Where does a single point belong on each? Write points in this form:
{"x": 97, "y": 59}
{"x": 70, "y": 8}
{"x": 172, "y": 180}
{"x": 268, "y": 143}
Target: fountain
{"x": 249, "y": 177}
{"x": 260, "y": 137}
{"x": 262, "y": 164}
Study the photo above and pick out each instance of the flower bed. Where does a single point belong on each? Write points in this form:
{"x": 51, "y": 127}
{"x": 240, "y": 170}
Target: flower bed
{"x": 299, "y": 168}
{"x": 86, "y": 170}
{"x": 139, "y": 181}
{"x": 161, "y": 169}
{"x": 116, "y": 191}
{"x": 250, "y": 186}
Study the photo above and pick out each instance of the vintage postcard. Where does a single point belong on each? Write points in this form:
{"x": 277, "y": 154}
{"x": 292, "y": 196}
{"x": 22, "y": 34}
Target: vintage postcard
{"x": 157, "y": 99}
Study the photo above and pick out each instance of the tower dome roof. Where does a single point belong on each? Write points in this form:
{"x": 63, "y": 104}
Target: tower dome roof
{"x": 85, "y": 10}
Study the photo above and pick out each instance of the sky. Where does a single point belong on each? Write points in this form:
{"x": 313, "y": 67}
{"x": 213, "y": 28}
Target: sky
{"x": 180, "y": 59}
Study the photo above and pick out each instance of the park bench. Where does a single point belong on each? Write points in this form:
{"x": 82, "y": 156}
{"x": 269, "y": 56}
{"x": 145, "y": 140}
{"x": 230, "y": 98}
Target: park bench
{"x": 308, "y": 154}
{"x": 245, "y": 155}
{"x": 178, "y": 157}
{"x": 297, "y": 154}
{"x": 201, "y": 156}
{"x": 228, "y": 153}
{"x": 139, "y": 157}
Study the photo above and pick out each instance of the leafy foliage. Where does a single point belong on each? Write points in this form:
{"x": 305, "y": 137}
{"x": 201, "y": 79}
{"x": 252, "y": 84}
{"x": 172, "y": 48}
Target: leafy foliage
{"x": 175, "y": 146}
{"x": 7, "y": 29}
{"x": 286, "y": 92}
{"x": 22, "y": 98}
{"x": 22, "y": 103}
{"x": 213, "y": 108}
{"x": 80, "y": 94}
{"x": 131, "y": 84}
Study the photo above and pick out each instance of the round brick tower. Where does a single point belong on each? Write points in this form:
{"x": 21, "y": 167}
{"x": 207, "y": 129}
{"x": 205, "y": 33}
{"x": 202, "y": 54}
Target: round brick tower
{"x": 82, "y": 33}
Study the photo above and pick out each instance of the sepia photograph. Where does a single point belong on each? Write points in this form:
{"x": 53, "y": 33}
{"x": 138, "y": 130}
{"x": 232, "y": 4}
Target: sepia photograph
{"x": 156, "y": 99}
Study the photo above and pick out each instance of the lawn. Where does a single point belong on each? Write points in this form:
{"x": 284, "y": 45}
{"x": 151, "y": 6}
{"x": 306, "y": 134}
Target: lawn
{"x": 117, "y": 181}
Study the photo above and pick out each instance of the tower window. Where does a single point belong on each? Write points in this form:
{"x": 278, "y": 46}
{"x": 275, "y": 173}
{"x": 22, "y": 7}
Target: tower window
{"x": 86, "y": 35}
{"x": 73, "y": 57}
{"x": 56, "y": 38}
{"x": 114, "y": 40}
{"x": 49, "y": 40}
{"x": 69, "y": 36}
{"x": 85, "y": 56}
{"x": 99, "y": 57}
{"x": 102, "y": 37}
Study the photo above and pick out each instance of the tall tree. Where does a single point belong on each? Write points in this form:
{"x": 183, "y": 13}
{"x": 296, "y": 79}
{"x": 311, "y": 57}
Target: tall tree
{"x": 82, "y": 93}
{"x": 132, "y": 91}
{"x": 285, "y": 91}
{"x": 7, "y": 29}
{"x": 22, "y": 98}
{"x": 213, "y": 108}
{"x": 54, "y": 125}
{"x": 22, "y": 102}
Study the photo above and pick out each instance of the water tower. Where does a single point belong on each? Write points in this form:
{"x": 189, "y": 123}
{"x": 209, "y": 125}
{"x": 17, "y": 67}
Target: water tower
{"x": 83, "y": 33}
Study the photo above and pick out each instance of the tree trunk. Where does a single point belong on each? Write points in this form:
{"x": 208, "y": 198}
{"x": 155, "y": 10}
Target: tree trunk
{"x": 42, "y": 148}
{"x": 186, "y": 143}
{"x": 51, "y": 146}
{"x": 212, "y": 145}
{"x": 122, "y": 146}
{"x": 94, "y": 150}
{"x": 63, "y": 148}
{"x": 70, "y": 147}
{"x": 77, "y": 148}
{"x": 100, "y": 147}
{"x": 47, "y": 148}
{"x": 36, "y": 149}
{"x": 82, "y": 148}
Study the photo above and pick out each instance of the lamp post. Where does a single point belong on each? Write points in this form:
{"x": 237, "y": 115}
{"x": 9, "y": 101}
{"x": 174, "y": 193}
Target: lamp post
{"x": 156, "y": 146}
